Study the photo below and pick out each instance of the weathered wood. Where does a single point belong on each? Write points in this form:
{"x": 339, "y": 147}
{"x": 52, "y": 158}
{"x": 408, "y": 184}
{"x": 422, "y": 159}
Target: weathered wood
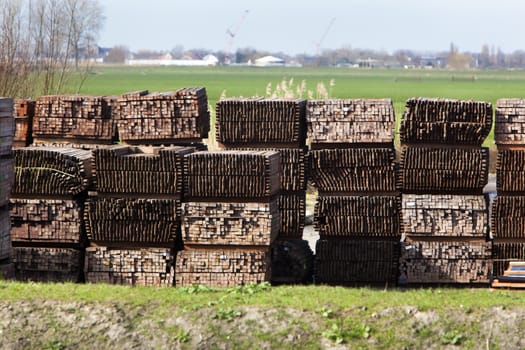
{"x": 7, "y": 126}
{"x": 509, "y": 128}
{"x": 7, "y": 179}
{"x": 292, "y": 208}
{"x": 5, "y": 235}
{"x": 508, "y": 217}
{"x": 47, "y": 264}
{"x": 24, "y": 111}
{"x": 510, "y": 174}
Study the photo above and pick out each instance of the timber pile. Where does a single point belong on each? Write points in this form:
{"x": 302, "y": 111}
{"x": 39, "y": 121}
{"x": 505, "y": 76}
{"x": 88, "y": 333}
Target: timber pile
{"x": 445, "y": 262}
{"x": 5, "y": 236}
{"x": 444, "y": 121}
{"x": 222, "y": 267}
{"x": 353, "y": 170}
{"x": 48, "y": 264}
{"x": 356, "y": 261}
{"x": 51, "y": 171}
{"x": 510, "y": 175}
{"x": 7, "y": 179}
{"x": 56, "y": 221}
{"x": 261, "y": 122}
{"x": 292, "y": 209}
{"x": 24, "y": 111}
{"x": 508, "y": 218}
{"x": 6, "y": 184}
{"x": 510, "y": 122}
{"x": 160, "y": 118}
{"x": 451, "y": 170}
{"x": 444, "y": 215}
{"x": 136, "y": 267}
{"x": 347, "y": 121}
{"x": 141, "y": 171}
{"x": 75, "y": 118}
{"x": 506, "y": 252}
{"x": 7, "y": 126}
{"x": 292, "y": 261}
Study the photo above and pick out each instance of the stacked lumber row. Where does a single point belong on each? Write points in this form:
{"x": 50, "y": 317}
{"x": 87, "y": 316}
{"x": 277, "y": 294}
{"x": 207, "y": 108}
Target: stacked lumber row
{"x": 352, "y": 164}
{"x": 166, "y": 117}
{"x": 127, "y": 169}
{"x": 506, "y": 252}
{"x": 222, "y": 267}
{"x": 443, "y": 170}
{"x": 6, "y": 184}
{"x": 75, "y": 118}
{"x": 232, "y": 174}
{"x": 24, "y": 113}
{"x": 52, "y": 171}
{"x": 261, "y": 122}
{"x": 445, "y": 215}
{"x": 42, "y": 264}
{"x": 508, "y": 217}
{"x": 351, "y": 121}
{"x": 356, "y": 261}
{"x": 7, "y": 126}
{"x": 136, "y": 267}
{"x": 353, "y": 170}
{"x": 292, "y": 209}
{"x": 7, "y": 179}
{"x": 47, "y": 220}
{"x": 510, "y": 174}
{"x": 445, "y": 262}
{"x": 444, "y": 121}
{"x": 5, "y": 235}
{"x": 510, "y": 122}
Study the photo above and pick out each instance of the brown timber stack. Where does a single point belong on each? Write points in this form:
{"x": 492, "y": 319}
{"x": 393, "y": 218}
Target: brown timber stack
{"x": 24, "y": 114}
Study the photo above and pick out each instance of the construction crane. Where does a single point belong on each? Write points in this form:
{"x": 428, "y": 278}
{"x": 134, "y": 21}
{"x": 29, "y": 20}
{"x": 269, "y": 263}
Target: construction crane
{"x": 232, "y": 33}
{"x": 320, "y": 42}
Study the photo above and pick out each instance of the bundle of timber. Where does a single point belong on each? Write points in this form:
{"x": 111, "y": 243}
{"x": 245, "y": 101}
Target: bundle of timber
{"x": 7, "y": 179}
{"x": 353, "y": 170}
{"x": 5, "y": 236}
{"x": 160, "y": 118}
{"x": 48, "y": 264}
{"x": 508, "y": 217}
{"x": 56, "y": 221}
{"x": 226, "y": 223}
{"x": 445, "y": 262}
{"x": 256, "y": 121}
{"x": 445, "y": 215}
{"x": 75, "y": 119}
{"x": 51, "y": 171}
{"x": 356, "y": 261}
{"x": 132, "y": 220}
{"x": 136, "y": 267}
{"x": 223, "y": 267}
{"x": 232, "y": 174}
{"x": 510, "y": 177}
{"x": 510, "y": 122}
{"x": 352, "y": 217}
{"x": 444, "y": 121}
{"x": 7, "y": 126}
{"x": 504, "y": 253}
{"x": 292, "y": 208}
{"x": 292, "y": 261}
{"x": 24, "y": 113}
{"x": 139, "y": 170}
{"x": 350, "y": 121}
{"x": 449, "y": 170}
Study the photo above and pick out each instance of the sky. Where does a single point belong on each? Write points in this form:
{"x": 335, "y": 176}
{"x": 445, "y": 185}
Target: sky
{"x": 297, "y": 26}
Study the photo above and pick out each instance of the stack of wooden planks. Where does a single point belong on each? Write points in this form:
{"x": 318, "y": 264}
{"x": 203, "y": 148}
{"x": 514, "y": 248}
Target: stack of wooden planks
{"x": 46, "y": 212}
{"x": 24, "y": 113}
{"x": 510, "y": 177}
{"x": 352, "y": 164}
{"x": 75, "y": 119}
{"x": 6, "y": 184}
{"x": 509, "y": 128}
{"x": 445, "y": 121}
{"x": 230, "y": 217}
{"x": 443, "y": 171}
{"x": 173, "y": 117}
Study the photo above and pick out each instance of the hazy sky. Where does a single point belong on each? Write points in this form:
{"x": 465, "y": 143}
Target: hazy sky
{"x": 295, "y": 26}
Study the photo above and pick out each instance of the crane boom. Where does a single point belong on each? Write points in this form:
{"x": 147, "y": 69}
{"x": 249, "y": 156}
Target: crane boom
{"x": 320, "y": 42}
{"x": 232, "y": 33}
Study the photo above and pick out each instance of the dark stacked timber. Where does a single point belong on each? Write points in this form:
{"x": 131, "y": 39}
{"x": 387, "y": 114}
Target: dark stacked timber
{"x": 5, "y": 235}
{"x": 356, "y": 261}
{"x": 222, "y": 267}
{"x": 47, "y": 221}
{"x": 445, "y": 262}
{"x": 7, "y": 126}
{"x": 510, "y": 122}
{"x": 7, "y": 179}
{"x": 128, "y": 170}
{"x": 48, "y": 264}
{"x": 452, "y": 170}
{"x": 292, "y": 261}
{"x": 292, "y": 208}
{"x": 504, "y": 253}
{"x": 256, "y": 121}
{"x": 445, "y": 215}
{"x": 510, "y": 174}
{"x": 353, "y": 170}
{"x": 132, "y": 221}
{"x": 24, "y": 113}
{"x": 221, "y": 223}
{"x": 51, "y": 171}
{"x": 75, "y": 118}
{"x": 160, "y": 118}
{"x": 444, "y": 121}
{"x": 136, "y": 267}
{"x": 232, "y": 174}
{"x": 357, "y": 121}
{"x": 353, "y": 217}
{"x": 508, "y": 218}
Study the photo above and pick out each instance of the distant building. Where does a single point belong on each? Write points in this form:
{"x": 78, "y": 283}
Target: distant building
{"x": 269, "y": 61}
